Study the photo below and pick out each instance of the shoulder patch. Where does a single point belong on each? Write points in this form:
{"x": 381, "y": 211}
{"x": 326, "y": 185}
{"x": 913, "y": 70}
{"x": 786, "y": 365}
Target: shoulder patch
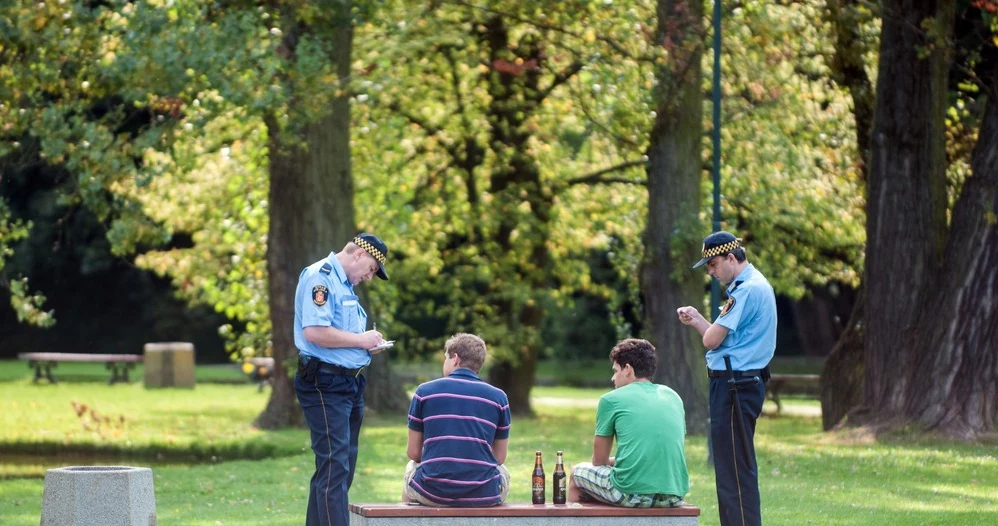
{"x": 326, "y": 268}
{"x": 726, "y": 308}
{"x": 320, "y": 295}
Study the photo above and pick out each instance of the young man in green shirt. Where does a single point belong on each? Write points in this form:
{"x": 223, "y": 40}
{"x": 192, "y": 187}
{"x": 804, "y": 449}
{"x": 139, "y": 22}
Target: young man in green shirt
{"x": 649, "y": 424}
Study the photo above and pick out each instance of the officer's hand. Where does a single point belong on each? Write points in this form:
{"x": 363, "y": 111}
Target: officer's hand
{"x": 370, "y": 339}
{"x": 688, "y": 315}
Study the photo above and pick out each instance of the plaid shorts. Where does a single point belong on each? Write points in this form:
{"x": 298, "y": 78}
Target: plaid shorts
{"x": 595, "y": 481}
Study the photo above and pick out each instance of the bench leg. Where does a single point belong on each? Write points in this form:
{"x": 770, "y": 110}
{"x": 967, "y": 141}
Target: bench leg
{"x": 119, "y": 372}
{"x": 43, "y": 369}
{"x": 775, "y": 397}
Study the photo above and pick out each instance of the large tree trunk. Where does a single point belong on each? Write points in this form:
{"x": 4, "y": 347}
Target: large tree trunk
{"x": 954, "y": 364}
{"x": 843, "y": 377}
{"x": 906, "y": 211}
{"x": 515, "y": 180}
{"x": 311, "y": 214}
{"x": 674, "y": 197}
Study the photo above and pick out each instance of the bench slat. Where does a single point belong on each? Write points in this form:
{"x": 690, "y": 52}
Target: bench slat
{"x": 521, "y": 510}
{"x": 78, "y": 357}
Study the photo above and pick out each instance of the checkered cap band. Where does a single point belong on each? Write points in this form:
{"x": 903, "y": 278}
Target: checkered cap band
{"x": 370, "y": 250}
{"x": 720, "y": 249}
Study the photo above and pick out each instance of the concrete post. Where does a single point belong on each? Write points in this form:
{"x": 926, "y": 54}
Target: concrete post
{"x": 98, "y": 496}
{"x": 169, "y": 364}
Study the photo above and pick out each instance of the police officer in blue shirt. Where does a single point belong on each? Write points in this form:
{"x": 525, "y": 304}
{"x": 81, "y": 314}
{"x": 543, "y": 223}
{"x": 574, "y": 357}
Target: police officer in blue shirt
{"x": 334, "y": 347}
{"x": 745, "y": 333}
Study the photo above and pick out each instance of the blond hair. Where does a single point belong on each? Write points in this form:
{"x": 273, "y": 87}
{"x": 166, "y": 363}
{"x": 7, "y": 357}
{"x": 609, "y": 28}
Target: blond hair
{"x": 470, "y": 348}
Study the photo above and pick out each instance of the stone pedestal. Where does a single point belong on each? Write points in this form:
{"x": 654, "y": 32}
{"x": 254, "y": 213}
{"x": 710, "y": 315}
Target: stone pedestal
{"x": 99, "y": 496}
{"x": 169, "y": 364}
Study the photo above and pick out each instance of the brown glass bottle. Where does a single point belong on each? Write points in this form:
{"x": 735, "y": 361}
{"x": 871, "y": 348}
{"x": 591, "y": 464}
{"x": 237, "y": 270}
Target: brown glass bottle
{"x": 558, "y": 481}
{"x": 537, "y": 481}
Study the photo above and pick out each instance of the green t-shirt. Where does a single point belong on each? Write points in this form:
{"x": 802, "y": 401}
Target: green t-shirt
{"x": 649, "y": 424}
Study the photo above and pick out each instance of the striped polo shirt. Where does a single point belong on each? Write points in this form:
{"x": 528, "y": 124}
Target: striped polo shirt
{"x": 460, "y": 416}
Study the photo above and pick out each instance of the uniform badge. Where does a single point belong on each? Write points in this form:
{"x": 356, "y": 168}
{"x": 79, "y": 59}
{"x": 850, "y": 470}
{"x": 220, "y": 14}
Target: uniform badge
{"x": 728, "y": 305}
{"x": 320, "y": 294}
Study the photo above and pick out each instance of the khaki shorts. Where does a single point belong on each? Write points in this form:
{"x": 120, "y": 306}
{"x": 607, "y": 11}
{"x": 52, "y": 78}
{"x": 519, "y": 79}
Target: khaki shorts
{"x": 414, "y": 496}
{"x": 595, "y": 481}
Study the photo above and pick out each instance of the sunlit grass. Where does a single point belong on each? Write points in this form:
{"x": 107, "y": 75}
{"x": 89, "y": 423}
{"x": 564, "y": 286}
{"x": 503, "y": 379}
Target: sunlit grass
{"x": 807, "y": 476}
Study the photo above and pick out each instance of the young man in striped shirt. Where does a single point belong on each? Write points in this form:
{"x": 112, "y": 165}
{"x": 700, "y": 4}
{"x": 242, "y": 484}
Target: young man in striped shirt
{"x": 458, "y": 434}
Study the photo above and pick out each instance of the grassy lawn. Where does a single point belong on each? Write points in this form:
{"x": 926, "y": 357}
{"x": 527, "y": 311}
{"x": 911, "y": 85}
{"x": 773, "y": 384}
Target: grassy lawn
{"x": 190, "y": 438}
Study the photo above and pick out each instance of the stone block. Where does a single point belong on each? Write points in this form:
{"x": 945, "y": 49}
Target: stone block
{"x": 98, "y": 496}
{"x": 169, "y": 364}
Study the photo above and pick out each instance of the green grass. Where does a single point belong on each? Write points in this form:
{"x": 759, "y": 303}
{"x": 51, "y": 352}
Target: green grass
{"x": 807, "y": 477}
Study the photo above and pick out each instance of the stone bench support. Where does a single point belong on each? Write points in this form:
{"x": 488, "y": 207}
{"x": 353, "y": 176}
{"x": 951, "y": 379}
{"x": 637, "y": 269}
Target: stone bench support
{"x": 98, "y": 496}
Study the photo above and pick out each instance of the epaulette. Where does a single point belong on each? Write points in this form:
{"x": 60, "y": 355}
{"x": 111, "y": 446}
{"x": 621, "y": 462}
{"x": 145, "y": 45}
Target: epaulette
{"x": 326, "y": 268}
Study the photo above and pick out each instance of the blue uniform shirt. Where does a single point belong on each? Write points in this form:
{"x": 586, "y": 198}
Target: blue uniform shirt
{"x": 325, "y": 298}
{"x": 751, "y": 324}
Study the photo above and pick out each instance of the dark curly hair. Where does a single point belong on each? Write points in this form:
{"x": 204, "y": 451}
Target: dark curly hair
{"x": 640, "y": 354}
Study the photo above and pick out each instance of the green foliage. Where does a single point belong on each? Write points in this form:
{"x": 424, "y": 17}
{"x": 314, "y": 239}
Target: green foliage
{"x": 26, "y": 304}
{"x": 470, "y": 155}
{"x": 790, "y": 182}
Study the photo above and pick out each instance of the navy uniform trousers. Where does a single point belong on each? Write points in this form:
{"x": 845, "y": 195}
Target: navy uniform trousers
{"x": 737, "y": 475}
{"x": 334, "y": 409}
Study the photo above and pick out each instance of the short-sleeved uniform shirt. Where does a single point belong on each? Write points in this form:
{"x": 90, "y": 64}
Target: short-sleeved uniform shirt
{"x": 649, "y": 423}
{"x": 751, "y": 324}
{"x": 325, "y": 298}
{"x": 460, "y": 417}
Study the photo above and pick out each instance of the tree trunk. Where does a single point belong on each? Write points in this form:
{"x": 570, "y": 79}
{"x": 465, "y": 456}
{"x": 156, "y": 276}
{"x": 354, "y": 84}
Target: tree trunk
{"x": 843, "y": 377}
{"x": 674, "y": 197}
{"x": 311, "y": 214}
{"x": 954, "y": 384}
{"x": 906, "y": 210}
{"x": 821, "y": 318}
{"x": 516, "y": 180}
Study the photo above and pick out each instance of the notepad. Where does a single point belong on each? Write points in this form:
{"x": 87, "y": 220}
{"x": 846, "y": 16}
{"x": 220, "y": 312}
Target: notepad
{"x": 384, "y": 345}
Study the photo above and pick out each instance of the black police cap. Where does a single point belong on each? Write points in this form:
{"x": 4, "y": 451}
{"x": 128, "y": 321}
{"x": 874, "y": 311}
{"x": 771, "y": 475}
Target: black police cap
{"x": 716, "y": 244}
{"x": 377, "y": 248}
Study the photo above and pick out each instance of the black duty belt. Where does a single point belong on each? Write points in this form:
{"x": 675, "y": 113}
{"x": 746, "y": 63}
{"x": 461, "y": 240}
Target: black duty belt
{"x": 329, "y": 368}
{"x": 711, "y": 373}
{"x": 336, "y": 369}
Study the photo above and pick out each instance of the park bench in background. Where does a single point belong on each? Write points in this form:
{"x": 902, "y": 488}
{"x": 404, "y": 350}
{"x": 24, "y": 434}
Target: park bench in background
{"x": 521, "y": 514}
{"x": 791, "y": 384}
{"x": 260, "y": 369}
{"x": 44, "y": 362}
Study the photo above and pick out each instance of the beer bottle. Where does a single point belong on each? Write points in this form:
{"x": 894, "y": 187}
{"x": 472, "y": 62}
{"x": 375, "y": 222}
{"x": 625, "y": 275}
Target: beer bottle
{"x": 537, "y": 481}
{"x": 558, "y": 479}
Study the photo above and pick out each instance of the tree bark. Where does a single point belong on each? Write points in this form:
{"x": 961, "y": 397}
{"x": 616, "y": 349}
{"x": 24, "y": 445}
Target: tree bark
{"x": 674, "y": 197}
{"x": 311, "y": 214}
{"x": 515, "y": 181}
{"x": 954, "y": 368}
{"x": 906, "y": 210}
{"x": 843, "y": 377}
{"x": 821, "y": 318}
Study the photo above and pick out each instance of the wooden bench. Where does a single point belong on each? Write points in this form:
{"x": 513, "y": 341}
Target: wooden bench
{"x": 44, "y": 362}
{"x": 260, "y": 369}
{"x": 521, "y": 514}
{"x": 791, "y": 384}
